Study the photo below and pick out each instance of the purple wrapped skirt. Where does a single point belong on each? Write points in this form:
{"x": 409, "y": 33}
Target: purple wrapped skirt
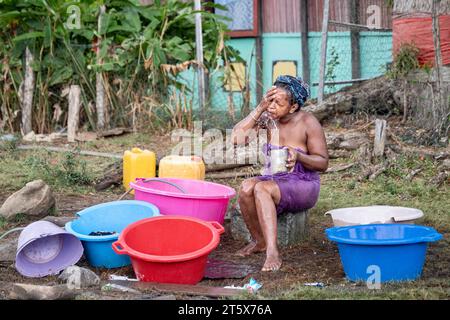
{"x": 299, "y": 189}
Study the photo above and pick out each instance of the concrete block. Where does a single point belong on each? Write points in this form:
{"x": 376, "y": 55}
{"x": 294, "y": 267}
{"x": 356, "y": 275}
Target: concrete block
{"x": 292, "y": 227}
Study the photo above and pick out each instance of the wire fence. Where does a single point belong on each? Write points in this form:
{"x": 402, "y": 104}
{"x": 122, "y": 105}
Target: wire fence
{"x": 352, "y": 50}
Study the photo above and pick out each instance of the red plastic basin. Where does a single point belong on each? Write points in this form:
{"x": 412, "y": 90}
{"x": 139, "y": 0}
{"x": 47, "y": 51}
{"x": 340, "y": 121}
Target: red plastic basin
{"x": 169, "y": 249}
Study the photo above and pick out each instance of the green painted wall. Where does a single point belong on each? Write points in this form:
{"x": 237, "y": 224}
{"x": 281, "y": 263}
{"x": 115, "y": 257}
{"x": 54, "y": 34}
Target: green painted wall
{"x": 280, "y": 47}
{"x": 219, "y": 97}
{"x": 247, "y": 49}
{"x": 376, "y": 53}
{"x": 339, "y": 42}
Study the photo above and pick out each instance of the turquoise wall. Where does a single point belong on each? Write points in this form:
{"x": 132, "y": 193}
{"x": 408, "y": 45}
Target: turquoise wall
{"x": 219, "y": 96}
{"x": 340, "y": 42}
{"x": 376, "y": 53}
{"x": 276, "y": 47}
{"x": 375, "y": 50}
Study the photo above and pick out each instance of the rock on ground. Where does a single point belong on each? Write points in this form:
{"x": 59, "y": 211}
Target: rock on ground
{"x": 22, "y": 291}
{"x": 79, "y": 277}
{"x": 35, "y": 199}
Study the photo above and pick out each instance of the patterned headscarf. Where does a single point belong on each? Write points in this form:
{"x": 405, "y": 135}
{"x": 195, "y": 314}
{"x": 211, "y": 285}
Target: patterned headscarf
{"x": 299, "y": 89}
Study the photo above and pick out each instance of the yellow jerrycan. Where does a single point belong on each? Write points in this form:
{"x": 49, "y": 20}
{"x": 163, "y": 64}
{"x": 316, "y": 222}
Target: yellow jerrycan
{"x": 182, "y": 167}
{"x": 138, "y": 163}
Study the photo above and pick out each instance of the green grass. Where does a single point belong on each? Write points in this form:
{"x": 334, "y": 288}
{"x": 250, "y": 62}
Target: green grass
{"x": 68, "y": 171}
{"x": 121, "y": 143}
{"x": 2, "y": 223}
{"x": 390, "y": 188}
{"x": 419, "y": 290}
{"x": 66, "y": 175}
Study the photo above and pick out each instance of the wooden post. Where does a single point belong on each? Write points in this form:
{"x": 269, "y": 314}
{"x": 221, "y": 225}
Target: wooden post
{"x": 200, "y": 69}
{"x": 27, "y": 93}
{"x": 440, "y": 111}
{"x": 380, "y": 137}
{"x": 437, "y": 34}
{"x": 100, "y": 89}
{"x": 323, "y": 59}
{"x": 74, "y": 111}
{"x": 353, "y": 5}
{"x": 259, "y": 56}
{"x": 304, "y": 34}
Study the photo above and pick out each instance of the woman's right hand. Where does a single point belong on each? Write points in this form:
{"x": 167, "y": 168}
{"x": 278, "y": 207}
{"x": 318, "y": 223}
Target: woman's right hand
{"x": 267, "y": 99}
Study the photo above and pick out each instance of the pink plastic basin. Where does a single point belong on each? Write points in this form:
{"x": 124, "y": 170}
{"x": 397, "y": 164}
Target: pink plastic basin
{"x": 203, "y": 200}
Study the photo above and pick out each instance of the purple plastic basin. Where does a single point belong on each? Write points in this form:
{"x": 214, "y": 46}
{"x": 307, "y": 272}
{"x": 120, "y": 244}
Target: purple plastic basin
{"x": 46, "y": 249}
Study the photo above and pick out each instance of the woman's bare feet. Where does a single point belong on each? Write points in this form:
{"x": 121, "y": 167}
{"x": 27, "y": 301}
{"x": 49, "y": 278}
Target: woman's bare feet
{"x": 272, "y": 263}
{"x": 252, "y": 247}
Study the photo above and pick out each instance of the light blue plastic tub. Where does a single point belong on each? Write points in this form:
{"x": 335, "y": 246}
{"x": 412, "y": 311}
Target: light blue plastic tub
{"x": 395, "y": 251}
{"x": 108, "y": 217}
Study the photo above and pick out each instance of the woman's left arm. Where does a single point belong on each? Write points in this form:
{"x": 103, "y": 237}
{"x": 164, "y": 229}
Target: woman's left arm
{"x": 318, "y": 157}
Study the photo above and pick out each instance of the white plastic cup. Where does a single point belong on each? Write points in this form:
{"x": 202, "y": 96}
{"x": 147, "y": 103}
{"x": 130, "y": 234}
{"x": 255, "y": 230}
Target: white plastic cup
{"x": 278, "y": 160}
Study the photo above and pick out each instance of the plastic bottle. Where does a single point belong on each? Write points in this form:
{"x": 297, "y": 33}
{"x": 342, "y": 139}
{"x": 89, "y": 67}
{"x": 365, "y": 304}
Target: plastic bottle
{"x": 182, "y": 167}
{"x": 138, "y": 163}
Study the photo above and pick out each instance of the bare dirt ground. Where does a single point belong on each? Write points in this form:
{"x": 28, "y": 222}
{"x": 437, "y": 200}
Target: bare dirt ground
{"x": 315, "y": 260}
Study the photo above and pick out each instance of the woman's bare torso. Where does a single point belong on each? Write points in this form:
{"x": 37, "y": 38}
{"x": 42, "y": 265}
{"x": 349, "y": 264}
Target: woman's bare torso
{"x": 292, "y": 133}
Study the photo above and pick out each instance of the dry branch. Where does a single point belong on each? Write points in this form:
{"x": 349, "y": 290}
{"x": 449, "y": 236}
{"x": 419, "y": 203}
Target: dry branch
{"x": 223, "y": 167}
{"x": 437, "y": 155}
{"x": 113, "y": 132}
{"x": 413, "y": 173}
{"x": 371, "y": 172}
{"x": 232, "y": 175}
{"x": 439, "y": 179}
{"x": 377, "y": 172}
{"x": 113, "y": 174}
{"x": 351, "y": 140}
{"x": 340, "y": 168}
{"x": 374, "y": 94}
{"x": 336, "y": 154}
{"x": 83, "y": 153}
{"x": 195, "y": 290}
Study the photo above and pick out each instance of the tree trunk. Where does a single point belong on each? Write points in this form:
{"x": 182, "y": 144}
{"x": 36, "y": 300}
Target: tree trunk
{"x": 199, "y": 56}
{"x": 371, "y": 96}
{"x": 28, "y": 92}
{"x": 405, "y": 101}
{"x": 323, "y": 52}
{"x": 74, "y": 112}
{"x": 441, "y": 111}
{"x": 100, "y": 89}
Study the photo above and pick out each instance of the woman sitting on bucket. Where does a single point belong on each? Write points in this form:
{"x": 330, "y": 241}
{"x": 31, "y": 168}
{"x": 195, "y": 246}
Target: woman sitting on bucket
{"x": 262, "y": 198}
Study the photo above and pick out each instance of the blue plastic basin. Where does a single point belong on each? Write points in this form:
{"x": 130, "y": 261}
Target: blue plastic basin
{"x": 108, "y": 217}
{"x": 397, "y": 251}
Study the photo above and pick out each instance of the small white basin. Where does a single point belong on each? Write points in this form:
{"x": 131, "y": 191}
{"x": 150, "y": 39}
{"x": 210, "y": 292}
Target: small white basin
{"x": 374, "y": 215}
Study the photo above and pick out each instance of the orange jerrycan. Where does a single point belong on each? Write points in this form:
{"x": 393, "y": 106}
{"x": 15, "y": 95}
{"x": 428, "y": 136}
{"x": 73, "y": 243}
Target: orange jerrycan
{"x": 138, "y": 163}
{"x": 182, "y": 167}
